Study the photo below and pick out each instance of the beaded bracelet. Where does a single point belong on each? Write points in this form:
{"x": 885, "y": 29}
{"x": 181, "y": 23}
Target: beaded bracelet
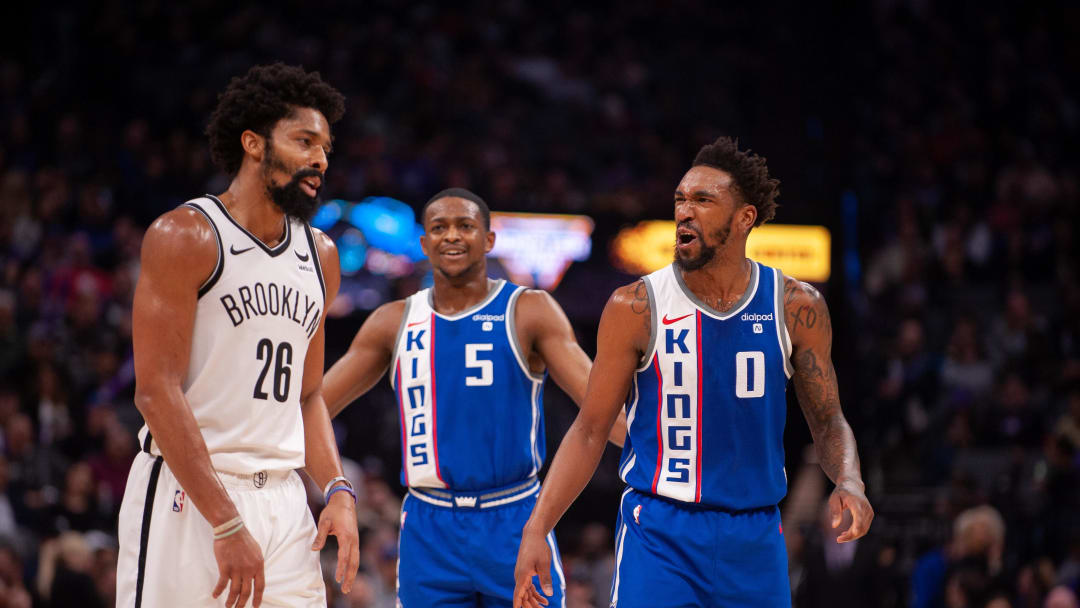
{"x": 341, "y": 489}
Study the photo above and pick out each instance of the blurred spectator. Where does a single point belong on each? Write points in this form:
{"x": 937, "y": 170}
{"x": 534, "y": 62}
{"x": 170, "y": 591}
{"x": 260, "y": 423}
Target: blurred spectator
{"x": 962, "y": 573}
{"x": 1061, "y": 597}
{"x": 65, "y": 572}
{"x": 856, "y": 573}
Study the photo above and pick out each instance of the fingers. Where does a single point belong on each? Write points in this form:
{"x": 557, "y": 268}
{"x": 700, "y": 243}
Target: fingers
{"x": 535, "y": 598}
{"x": 526, "y": 595}
{"x": 545, "y": 582}
{"x": 353, "y": 564}
{"x": 836, "y": 509}
{"x": 245, "y": 592}
{"x": 235, "y": 584}
{"x": 260, "y": 585}
{"x": 320, "y": 538}
{"x": 220, "y": 586}
{"x": 861, "y": 516}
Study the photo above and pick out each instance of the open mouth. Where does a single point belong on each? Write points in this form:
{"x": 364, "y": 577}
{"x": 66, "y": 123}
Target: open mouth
{"x": 685, "y": 237}
{"x": 454, "y": 254}
{"x": 310, "y": 186}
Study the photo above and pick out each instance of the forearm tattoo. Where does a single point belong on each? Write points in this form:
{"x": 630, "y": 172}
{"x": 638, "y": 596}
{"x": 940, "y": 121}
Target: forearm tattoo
{"x": 815, "y": 380}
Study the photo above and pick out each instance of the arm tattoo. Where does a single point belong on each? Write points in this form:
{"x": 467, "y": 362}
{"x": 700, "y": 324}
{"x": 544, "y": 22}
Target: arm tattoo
{"x": 640, "y": 304}
{"x": 815, "y": 381}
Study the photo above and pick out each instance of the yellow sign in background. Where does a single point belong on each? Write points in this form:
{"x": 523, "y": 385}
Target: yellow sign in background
{"x": 803, "y": 252}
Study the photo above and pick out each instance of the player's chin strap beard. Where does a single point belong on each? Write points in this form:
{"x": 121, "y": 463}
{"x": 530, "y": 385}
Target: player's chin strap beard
{"x": 291, "y": 199}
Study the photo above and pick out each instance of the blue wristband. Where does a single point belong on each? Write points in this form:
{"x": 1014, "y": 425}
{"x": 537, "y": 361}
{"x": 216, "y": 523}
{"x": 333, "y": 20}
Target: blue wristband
{"x": 340, "y": 489}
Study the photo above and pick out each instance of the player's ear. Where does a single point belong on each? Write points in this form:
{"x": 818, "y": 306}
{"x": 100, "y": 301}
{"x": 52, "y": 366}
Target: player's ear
{"x": 747, "y": 217}
{"x": 489, "y": 241}
{"x": 423, "y": 244}
{"x": 254, "y": 144}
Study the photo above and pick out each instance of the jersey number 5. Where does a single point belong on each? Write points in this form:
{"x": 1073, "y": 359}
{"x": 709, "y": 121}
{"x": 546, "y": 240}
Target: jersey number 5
{"x": 473, "y": 362}
{"x": 282, "y": 363}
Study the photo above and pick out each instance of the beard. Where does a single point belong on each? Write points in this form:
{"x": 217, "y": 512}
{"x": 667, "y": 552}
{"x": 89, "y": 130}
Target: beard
{"x": 707, "y": 252}
{"x": 290, "y": 198}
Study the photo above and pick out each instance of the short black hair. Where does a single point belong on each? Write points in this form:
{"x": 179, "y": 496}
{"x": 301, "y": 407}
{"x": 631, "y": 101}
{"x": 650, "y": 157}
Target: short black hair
{"x": 469, "y": 195}
{"x": 258, "y": 100}
{"x": 747, "y": 170}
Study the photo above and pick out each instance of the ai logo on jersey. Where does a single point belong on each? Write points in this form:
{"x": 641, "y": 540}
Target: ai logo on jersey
{"x": 487, "y": 326}
{"x": 758, "y": 328}
{"x": 637, "y": 512}
{"x": 178, "y": 501}
{"x": 259, "y": 479}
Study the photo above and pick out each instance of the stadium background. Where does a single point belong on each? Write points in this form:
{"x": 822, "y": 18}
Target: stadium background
{"x": 932, "y": 141}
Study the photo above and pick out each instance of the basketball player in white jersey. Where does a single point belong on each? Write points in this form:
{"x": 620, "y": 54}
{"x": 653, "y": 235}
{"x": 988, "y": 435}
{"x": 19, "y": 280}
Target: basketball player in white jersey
{"x": 228, "y": 339}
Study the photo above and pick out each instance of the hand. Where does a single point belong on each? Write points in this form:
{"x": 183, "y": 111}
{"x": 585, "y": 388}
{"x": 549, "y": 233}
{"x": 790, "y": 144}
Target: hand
{"x": 240, "y": 561}
{"x": 534, "y": 559}
{"x": 849, "y": 496}
{"x": 339, "y": 519}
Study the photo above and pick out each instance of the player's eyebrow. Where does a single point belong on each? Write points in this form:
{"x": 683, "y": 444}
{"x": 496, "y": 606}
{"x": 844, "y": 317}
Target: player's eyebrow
{"x": 696, "y": 194}
{"x": 455, "y": 218}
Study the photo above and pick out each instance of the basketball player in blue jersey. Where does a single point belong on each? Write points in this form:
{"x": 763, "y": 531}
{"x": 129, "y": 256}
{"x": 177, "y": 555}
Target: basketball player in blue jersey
{"x": 228, "y": 340}
{"x": 467, "y": 359}
{"x": 700, "y": 353}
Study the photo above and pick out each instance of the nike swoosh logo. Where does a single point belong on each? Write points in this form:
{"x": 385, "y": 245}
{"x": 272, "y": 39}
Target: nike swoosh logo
{"x": 303, "y": 258}
{"x": 668, "y": 321}
{"x": 233, "y": 250}
{"x": 417, "y": 323}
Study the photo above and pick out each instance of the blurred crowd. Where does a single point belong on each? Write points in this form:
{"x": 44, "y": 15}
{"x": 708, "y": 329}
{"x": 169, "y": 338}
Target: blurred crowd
{"x": 932, "y": 141}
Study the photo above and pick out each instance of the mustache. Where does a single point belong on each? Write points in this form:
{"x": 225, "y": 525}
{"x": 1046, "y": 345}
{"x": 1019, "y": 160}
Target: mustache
{"x": 308, "y": 172}
{"x": 689, "y": 225}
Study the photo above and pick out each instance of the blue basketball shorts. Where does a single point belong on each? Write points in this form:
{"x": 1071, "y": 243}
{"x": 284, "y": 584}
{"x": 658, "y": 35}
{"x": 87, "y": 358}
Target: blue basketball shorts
{"x": 671, "y": 555}
{"x": 461, "y": 553}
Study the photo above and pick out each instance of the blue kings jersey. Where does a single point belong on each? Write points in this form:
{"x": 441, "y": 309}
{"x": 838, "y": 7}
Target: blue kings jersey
{"x": 470, "y": 409}
{"x": 705, "y": 415}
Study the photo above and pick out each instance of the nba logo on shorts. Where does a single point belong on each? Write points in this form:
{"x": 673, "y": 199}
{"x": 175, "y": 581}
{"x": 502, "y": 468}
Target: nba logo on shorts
{"x": 178, "y": 501}
{"x": 637, "y": 513}
{"x": 259, "y": 479}
{"x": 758, "y": 328}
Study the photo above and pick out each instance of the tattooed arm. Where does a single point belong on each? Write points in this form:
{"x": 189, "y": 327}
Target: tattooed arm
{"x": 808, "y": 322}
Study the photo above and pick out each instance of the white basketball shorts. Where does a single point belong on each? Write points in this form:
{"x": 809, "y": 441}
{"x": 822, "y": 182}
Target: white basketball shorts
{"x": 166, "y": 546}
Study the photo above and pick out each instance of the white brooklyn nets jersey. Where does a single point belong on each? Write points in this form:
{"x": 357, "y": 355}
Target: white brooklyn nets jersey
{"x": 255, "y": 317}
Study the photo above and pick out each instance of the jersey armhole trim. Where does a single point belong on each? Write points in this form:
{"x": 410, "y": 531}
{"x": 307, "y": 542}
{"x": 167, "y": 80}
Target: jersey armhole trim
{"x": 397, "y": 340}
{"x": 781, "y": 326}
{"x": 317, "y": 260}
{"x": 512, "y": 336}
{"x": 646, "y": 359}
{"x": 219, "y": 267}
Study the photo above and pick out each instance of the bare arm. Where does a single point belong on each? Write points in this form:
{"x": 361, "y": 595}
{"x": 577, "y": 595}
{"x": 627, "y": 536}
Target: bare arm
{"x": 366, "y": 360}
{"x": 623, "y": 334}
{"x": 322, "y": 461}
{"x": 163, "y": 318}
{"x": 541, "y": 321}
{"x": 808, "y": 322}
